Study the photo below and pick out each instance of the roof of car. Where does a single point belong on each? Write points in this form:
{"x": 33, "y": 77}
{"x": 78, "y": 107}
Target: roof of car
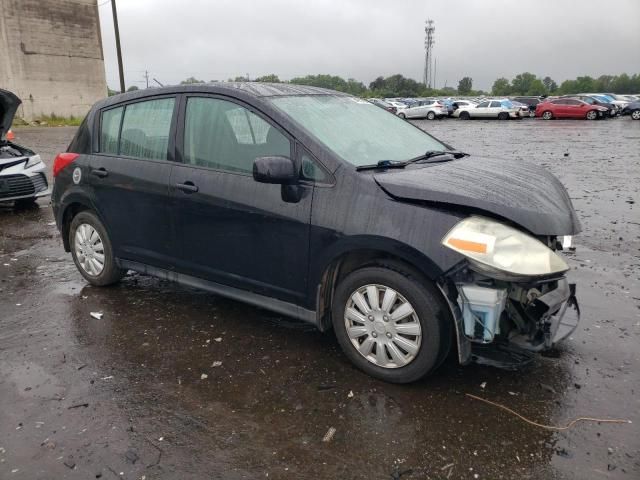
{"x": 241, "y": 89}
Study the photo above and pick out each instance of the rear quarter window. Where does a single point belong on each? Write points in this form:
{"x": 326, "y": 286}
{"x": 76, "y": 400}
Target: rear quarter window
{"x": 110, "y": 130}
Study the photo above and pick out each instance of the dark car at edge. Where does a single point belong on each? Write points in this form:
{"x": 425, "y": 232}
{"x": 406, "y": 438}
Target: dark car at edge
{"x": 321, "y": 206}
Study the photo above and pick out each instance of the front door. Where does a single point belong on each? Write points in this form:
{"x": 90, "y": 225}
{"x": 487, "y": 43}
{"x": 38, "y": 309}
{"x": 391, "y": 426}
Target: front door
{"x": 129, "y": 176}
{"x": 231, "y": 229}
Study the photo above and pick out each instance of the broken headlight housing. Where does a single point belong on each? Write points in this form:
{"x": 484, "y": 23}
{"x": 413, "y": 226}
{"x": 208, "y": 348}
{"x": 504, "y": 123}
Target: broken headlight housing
{"x": 504, "y": 251}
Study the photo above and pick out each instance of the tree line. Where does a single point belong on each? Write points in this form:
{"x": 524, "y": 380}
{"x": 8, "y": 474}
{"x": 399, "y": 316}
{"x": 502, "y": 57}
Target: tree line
{"x": 400, "y": 86}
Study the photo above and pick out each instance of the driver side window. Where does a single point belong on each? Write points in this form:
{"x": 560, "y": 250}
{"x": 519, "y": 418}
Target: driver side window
{"x": 226, "y": 136}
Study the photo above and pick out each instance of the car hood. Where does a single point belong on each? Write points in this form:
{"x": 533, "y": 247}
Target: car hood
{"x": 9, "y": 104}
{"x": 521, "y": 192}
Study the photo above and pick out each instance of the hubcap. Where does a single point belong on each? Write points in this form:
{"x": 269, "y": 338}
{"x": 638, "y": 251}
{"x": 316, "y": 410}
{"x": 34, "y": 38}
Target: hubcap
{"x": 383, "y": 326}
{"x": 591, "y": 115}
{"x": 635, "y": 115}
{"x": 89, "y": 249}
{"x": 547, "y": 115}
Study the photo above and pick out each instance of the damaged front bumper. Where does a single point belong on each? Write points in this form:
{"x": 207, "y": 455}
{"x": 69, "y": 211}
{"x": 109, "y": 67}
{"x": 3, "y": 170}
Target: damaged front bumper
{"x": 503, "y": 323}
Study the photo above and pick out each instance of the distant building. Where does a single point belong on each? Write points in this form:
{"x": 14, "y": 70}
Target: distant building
{"x": 51, "y": 55}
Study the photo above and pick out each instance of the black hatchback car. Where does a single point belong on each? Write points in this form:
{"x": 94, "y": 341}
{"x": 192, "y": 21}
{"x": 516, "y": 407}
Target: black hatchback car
{"x": 321, "y": 206}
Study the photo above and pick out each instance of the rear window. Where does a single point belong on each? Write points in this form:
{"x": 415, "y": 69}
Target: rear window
{"x": 142, "y": 133}
{"x": 145, "y": 129}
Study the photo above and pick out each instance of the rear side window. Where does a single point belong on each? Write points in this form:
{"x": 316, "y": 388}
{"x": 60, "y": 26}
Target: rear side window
{"x": 483, "y": 105}
{"x": 224, "y": 135}
{"x": 110, "y": 130}
{"x": 145, "y": 129}
{"x": 495, "y": 104}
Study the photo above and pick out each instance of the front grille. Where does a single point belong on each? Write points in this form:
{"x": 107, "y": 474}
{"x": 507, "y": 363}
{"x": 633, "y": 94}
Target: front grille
{"x": 17, "y": 186}
{"x": 39, "y": 182}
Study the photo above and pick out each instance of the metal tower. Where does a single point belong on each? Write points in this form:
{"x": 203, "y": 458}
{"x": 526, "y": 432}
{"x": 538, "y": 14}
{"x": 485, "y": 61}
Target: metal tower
{"x": 429, "y": 40}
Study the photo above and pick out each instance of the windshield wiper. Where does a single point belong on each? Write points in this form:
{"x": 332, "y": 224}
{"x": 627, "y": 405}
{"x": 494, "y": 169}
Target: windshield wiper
{"x": 437, "y": 153}
{"x": 425, "y": 157}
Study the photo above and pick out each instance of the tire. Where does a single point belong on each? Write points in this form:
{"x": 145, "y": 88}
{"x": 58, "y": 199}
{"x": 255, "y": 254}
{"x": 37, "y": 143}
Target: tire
{"x": 635, "y": 115}
{"x": 86, "y": 254}
{"x": 430, "y": 317}
{"x": 503, "y": 116}
{"x": 547, "y": 115}
{"x": 431, "y": 116}
{"x": 465, "y": 116}
{"x": 402, "y": 116}
{"x": 591, "y": 115}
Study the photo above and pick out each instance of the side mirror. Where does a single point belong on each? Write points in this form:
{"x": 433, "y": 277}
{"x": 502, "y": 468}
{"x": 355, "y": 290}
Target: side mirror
{"x": 276, "y": 169}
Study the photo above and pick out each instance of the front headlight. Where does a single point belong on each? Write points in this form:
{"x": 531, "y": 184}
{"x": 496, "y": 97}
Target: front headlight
{"x": 33, "y": 161}
{"x": 499, "y": 247}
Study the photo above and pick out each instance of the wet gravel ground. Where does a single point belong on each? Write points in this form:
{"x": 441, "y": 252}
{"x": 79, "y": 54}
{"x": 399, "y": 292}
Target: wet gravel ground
{"x": 127, "y": 397}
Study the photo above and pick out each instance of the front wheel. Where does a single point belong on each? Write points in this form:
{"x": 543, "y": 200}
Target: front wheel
{"x": 391, "y": 324}
{"x": 635, "y": 115}
{"x": 592, "y": 115}
{"x": 503, "y": 116}
{"x": 92, "y": 251}
{"x": 431, "y": 116}
{"x": 402, "y": 116}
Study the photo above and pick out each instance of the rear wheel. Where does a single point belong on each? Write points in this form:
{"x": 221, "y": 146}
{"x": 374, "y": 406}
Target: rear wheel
{"x": 92, "y": 251}
{"x": 503, "y": 116}
{"x": 431, "y": 115}
{"x": 465, "y": 116}
{"x": 635, "y": 115}
{"x": 592, "y": 115}
{"x": 390, "y": 323}
{"x": 547, "y": 115}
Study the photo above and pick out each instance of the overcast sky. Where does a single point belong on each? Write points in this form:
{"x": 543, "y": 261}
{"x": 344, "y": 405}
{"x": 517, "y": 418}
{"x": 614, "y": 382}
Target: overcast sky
{"x": 483, "y": 39}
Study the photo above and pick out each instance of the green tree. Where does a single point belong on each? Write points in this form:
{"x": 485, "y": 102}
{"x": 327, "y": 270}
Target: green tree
{"x": 465, "y": 86}
{"x": 549, "y": 84}
{"x": 501, "y": 87}
{"x": 272, "y": 78}
{"x": 522, "y": 83}
{"x": 584, "y": 84}
{"x": 190, "y": 80}
{"x": 132, "y": 88}
{"x": 536, "y": 88}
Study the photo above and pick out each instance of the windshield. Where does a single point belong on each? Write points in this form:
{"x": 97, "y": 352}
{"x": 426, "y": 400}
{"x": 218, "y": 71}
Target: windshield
{"x": 355, "y": 130}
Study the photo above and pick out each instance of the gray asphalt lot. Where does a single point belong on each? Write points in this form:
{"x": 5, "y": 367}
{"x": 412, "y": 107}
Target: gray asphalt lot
{"x": 125, "y": 397}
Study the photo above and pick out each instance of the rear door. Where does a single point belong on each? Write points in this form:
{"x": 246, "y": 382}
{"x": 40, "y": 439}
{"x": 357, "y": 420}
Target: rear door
{"x": 129, "y": 176}
{"x": 233, "y": 230}
{"x": 480, "y": 111}
{"x": 494, "y": 109}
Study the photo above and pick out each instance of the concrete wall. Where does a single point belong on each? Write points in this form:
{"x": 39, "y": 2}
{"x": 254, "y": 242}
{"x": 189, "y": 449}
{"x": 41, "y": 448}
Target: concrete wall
{"x": 51, "y": 55}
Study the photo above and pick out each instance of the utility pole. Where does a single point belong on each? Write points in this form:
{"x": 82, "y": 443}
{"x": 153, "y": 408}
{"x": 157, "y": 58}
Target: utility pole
{"x": 429, "y": 40}
{"x": 118, "y": 50}
{"x": 146, "y": 77}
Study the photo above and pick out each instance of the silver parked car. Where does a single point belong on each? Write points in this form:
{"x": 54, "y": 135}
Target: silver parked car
{"x": 429, "y": 109}
{"x": 500, "y": 109}
{"x": 22, "y": 177}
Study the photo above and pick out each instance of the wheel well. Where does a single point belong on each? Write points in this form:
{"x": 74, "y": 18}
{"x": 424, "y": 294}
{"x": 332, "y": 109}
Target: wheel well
{"x": 343, "y": 266}
{"x": 71, "y": 211}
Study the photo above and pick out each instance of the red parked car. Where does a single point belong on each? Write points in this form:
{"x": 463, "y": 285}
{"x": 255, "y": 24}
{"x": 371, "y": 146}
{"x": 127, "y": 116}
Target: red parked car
{"x": 569, "y": 108}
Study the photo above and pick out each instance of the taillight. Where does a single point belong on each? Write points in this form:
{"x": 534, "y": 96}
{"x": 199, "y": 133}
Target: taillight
{"x": 62, "y": 160}
{"x": 10, "y": 136}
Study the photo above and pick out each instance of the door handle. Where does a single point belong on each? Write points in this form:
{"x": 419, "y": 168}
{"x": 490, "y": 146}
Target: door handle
{"x": 100, "y": 172}
{"x": 187, "y": 187}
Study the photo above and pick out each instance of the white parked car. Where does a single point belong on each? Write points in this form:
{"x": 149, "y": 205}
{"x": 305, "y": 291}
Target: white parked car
{"x": 22, "y": 177}
{"x": 500, "y": 109}
{"x": 524, "y": 109}
{"x": 429, "y": 109}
